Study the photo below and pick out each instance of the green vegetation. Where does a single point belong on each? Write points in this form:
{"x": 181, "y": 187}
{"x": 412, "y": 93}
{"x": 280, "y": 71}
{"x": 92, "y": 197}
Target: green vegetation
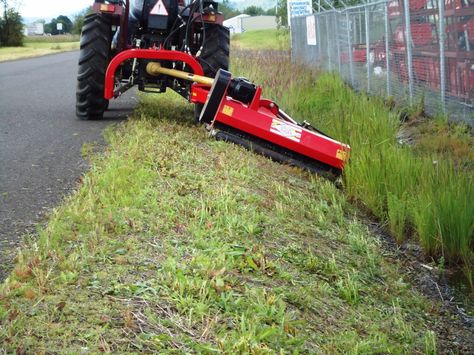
{"x": 426, "y": 190}
{"x": 176, "y": 241}
{"x": 52, "y": 39}
{"x": 262, "y": 40}
{"x": 11, "y": 26}
{"x": 39, "y": 46}
{"x": 51, "y": 27}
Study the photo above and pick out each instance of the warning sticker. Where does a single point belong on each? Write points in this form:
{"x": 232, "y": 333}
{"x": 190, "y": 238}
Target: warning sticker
{"x": 341, "y": 154}
{"x": 159, "y": 9}
{"x": 286, "y": 130}
{"x": 227, "y": 110}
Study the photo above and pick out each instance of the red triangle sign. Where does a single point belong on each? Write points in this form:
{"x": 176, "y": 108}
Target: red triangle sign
{"x": 159, "y": 9}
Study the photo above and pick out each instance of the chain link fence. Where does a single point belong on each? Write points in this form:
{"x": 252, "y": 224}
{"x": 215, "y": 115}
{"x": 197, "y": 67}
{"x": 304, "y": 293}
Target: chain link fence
{"x": 416, "y": 51}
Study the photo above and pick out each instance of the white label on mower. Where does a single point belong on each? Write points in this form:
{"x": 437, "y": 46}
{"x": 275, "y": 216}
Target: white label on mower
{"x": 286, "y": 130}
{"x": 159, "y": 9}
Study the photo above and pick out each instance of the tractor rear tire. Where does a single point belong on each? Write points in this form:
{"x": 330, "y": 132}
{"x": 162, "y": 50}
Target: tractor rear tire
{"x": 214, "y": 55}
{"x": 94, "y": 58}
{"x": 215, "y": 52}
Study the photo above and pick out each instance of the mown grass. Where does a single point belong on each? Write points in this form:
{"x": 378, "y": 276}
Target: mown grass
{"x": 262, "y": 39}
{"x": 176, "y": 242}
{"x": 426, "y": 190}
{"x": 52, "y": 39}
{"x": 40, "y": 46}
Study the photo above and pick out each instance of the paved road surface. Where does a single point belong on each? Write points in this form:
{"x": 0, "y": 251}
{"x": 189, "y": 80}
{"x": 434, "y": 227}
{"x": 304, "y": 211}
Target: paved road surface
{"x": 40, "y": 141}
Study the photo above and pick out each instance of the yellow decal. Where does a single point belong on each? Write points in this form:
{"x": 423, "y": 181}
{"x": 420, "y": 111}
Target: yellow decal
{"x": 341, "y": 154}
{"x": 228, "y": 111}
{"x": 195, "y": 94}
{"x": 107, "y": 8}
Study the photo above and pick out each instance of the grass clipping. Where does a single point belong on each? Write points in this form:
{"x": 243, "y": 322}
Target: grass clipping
{"x": 176, "y": 241}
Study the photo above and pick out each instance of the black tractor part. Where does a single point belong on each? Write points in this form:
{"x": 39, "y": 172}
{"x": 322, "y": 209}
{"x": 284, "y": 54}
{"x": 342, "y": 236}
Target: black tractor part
{"x": 214, "y": 55}
{"x": 94, "y": 56}
{"x": 141, "y": 14}
{"x": 215, "y": 51}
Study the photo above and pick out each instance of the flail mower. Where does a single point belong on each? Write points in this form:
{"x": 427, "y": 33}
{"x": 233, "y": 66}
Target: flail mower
{"x": 182, "y": 45}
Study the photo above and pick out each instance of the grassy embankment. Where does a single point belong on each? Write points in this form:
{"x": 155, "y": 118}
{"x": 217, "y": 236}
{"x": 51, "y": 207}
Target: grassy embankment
{"x": 39, "y": 46}
{"x": 176, "y": 241}
{"x": 425, "y": 189}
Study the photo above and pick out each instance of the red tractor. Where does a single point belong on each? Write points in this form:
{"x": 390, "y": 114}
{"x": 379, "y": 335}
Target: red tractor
{"x": 183, "y": 45}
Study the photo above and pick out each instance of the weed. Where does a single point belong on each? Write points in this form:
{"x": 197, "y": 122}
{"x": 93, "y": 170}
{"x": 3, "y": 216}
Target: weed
{"x": 348, "y": 289}
{"x": 430, "y": 343}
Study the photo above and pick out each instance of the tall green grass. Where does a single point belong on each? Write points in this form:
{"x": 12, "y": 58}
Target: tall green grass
{"x": 420, "y": 194}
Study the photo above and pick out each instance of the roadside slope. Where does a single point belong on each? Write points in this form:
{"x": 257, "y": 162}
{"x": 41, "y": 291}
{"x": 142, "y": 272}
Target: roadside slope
{"x": 41, "y": 141}
{"x": 175, "y": 241}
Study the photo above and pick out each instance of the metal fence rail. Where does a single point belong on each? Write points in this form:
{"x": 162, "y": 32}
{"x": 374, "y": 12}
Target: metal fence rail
{"x": 416, "y": 51}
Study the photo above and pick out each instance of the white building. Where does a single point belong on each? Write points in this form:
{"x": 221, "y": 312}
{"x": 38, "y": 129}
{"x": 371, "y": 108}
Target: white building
{"x": 262, "y": 22}
{"x": 234, "y": 24}
{"x": 242, "y": 23}
{"x": 34, "y": 29}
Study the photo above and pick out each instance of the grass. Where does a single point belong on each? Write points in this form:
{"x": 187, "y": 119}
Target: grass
{"x": 40, "y": 46}
{"x": 52, "y": 39}
{"x": 175, "y": 242}
{"x": 262, "y": 39}
{"x": 425, "y": 190}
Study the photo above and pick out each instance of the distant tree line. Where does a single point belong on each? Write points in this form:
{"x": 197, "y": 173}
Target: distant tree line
{"x": 73, "y": 26}
{"x": 52, "y": 27}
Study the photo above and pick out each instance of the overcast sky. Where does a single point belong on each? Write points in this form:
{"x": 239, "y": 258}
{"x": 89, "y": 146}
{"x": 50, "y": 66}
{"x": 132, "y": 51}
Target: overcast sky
{"x": 51, "y": 8}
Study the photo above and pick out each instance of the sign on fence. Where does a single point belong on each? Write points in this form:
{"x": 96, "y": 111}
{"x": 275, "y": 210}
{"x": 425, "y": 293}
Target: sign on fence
{"x": 311, "y": 30}
{"x": 299, "y": 8}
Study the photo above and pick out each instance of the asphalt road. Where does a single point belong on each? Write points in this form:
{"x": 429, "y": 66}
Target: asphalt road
{"x": 40, "y": 142}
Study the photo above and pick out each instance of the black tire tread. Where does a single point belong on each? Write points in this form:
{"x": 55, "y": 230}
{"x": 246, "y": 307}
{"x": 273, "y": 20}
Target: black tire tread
{"x": 215, "y": 52}
{"x": 93, "y": 60}
{"x": 214, "y": 55}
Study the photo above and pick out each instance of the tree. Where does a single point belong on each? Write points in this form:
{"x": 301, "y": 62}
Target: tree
{"x": 52, "y": 27}
{"x": 254, "y": 11}
{"x": 228, "y": 10}
{"x": 282, "y": 13}
{"x": 11, "y": 27}
{"x": 78, "y": 21}
{"x": 271, "y": 12}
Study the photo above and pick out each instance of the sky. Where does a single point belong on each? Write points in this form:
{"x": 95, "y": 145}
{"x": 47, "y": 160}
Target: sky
{"x": 50, "y": 8}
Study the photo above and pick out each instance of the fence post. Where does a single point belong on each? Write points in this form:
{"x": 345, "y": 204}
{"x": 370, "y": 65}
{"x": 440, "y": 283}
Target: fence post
{"x": 408, "y": 45}
{"x": 442, "y": 58}
{"x": 318, "y": 34}
{"x": 387, "y": 50}
{"x": 336, "y": 37}
{"x": 367, "y": 42}
{"x": 327, "y": 42}
{"x": 349, "y": 45}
